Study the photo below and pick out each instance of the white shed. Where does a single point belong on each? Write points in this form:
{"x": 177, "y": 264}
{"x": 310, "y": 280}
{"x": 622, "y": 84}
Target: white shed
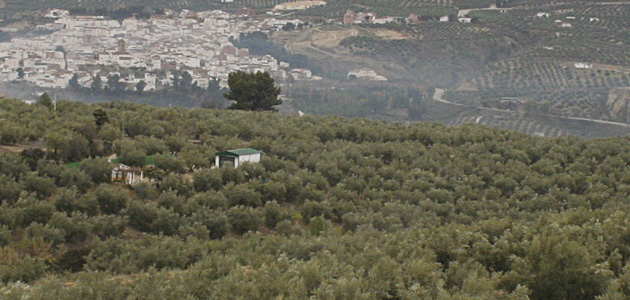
{"x": 237, "y": 157}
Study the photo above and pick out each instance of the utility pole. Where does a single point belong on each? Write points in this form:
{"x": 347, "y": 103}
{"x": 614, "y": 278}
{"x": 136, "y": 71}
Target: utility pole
{"x": 122, "y": 133}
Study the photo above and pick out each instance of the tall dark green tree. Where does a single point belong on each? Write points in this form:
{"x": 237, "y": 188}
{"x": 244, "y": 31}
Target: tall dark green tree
{"x": 252, "y": 91}
{"x": 100, "y": 117}
{"x": 140, "y": 86}
{"x": 97, "y": 83}
{"x": 45, "y": 100}
{"x": 114, "y": 84}
{"x": 185, "y": 82}
{"x": 74, "y": 82}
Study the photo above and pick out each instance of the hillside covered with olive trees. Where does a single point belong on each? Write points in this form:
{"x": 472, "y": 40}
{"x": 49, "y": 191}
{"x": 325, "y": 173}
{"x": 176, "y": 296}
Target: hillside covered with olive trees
{"x": 337, "y": 208}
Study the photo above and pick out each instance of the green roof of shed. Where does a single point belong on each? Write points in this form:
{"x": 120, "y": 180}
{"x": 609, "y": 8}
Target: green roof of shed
{"x": 239, "y": 152}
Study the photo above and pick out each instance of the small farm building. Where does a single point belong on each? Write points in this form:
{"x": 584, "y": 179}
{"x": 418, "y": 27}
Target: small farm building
{"x": 237, "y": 157}
{"x": 127, "y": 174}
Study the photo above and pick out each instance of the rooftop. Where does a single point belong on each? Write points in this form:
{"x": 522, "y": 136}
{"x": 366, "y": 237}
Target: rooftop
{"x": 238, "y": 152}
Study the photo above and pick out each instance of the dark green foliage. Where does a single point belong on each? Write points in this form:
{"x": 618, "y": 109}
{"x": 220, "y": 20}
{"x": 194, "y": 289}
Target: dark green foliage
{"x": 69, "y": 201}
{"x": 252, "y": 91}
{"x": 32, "y": 155}
{"x": 20, "y": 267}
{"x": 206, "y": 180}
{"x": 111, "y": 199}
{"x": 74, "y": 82}
{"x": 120, "y": 256}
{"x": 32, "y": 210}
{"x": 169, "y": 164}
{"x": 142, "y": 215}
{"x": 42, "y": 186}
{"x": 133, "y": 156}
{"x": 144, "y": 190}
{"x": 114, "y": 85}
{"x": 75, "y": 149}
{"x": 244, "y": 219}
{"x": 172, "y": 201}
{"x": 140, "y": 86}
{"x": 176, "y": 183}
{"x": 9, "y": 189}
{"x": 46, "y": 101}
{"x": 100, "y": 117}
{"x": 274, "y": 214}
{"x": 216, "y": 221}
{"x": 97, "y": 84}
{"x": 105, "y": 226}
{"x": 241, "y": 194}
{"x": 98, "y": 169}
{"x": 337, "y": 209}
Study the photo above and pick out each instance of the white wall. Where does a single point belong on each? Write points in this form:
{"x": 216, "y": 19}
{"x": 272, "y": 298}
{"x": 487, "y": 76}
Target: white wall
{"x": 254, "y": 158}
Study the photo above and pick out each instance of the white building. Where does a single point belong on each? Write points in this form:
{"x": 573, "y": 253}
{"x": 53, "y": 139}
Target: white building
{"x": 301, "y": 74}
{"x": 57, "y": 13}
{"x": 582, "y": 65}
{"x": 127, "y": 174}
{"x": 367, "y": 74}
{"x": 237, "y": 157}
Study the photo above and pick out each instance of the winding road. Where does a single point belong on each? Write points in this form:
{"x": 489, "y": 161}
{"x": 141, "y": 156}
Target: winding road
{"x": 438, "y": 96}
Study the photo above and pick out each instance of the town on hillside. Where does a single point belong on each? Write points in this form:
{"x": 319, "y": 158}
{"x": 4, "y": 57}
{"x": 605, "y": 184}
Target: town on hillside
{"x": 199, "y": 43}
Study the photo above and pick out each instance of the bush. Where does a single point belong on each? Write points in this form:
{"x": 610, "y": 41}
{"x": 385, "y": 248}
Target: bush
{"x": 242, "y": 194}
{"x": 169, "y": 163}
{"x": 125, "y": 257}
{"x": 244, "y": 219}
{"x": 9, "y": 189}
{"x": 98, "y": 169}
{"x": 43, "y": 187}
{"x": 111, "y": 199}
{"x": 206, "y": 180}
{"x": 77, "y": 178}
{"x": 31, "y": 210}
{"x": 214, "y": 220}
{"x": 274, "y": 214}
{"x": 144, "y": 190}
{"x": 16, "y": 267}
{"x": 176, "y": 183}
{"x": 142, "y": 215}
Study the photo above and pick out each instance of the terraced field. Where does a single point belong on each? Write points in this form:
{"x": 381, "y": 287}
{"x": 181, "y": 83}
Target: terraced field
{"x": 543, "y": 3}
{"x": 528, "y": 73}
{"x": 538, "y": 125}
{"x": 14, "y": 6}
{"x": 506, "y": 122}
{"x": 334, "y": 8}
{"x": 540, "y": 70}
{"x": 583, "y": 103}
